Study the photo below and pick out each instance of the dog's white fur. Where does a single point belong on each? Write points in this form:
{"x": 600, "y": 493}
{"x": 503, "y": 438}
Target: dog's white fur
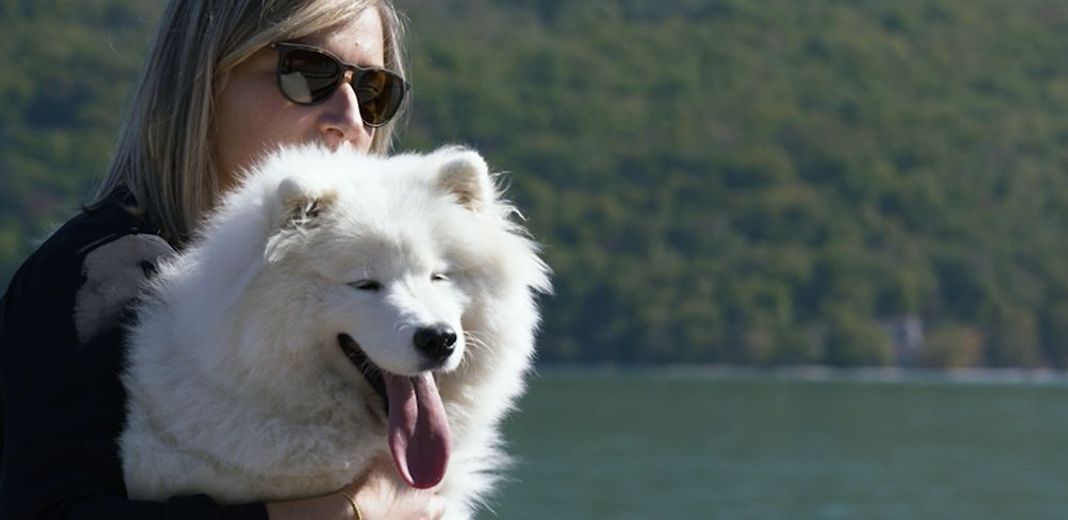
{"x": 237, "y": 386}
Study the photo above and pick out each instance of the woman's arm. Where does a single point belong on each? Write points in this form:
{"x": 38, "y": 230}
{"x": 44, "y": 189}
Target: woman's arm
{"x": 62, "y": 399}
{"x": 377, "y": 495}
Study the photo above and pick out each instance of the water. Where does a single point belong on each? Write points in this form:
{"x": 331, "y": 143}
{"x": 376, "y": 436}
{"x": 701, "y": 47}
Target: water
{"x": 655, "y": 445}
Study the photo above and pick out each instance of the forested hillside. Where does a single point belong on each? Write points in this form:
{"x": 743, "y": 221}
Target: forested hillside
{"x": 732, "y": 181}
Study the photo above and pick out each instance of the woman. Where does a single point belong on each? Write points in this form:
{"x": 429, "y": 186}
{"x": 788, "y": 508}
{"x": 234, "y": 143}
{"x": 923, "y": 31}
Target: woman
{"x": 226, "y": 81}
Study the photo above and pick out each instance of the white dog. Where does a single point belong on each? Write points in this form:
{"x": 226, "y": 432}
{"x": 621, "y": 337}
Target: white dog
{"x": 336, "y": 308}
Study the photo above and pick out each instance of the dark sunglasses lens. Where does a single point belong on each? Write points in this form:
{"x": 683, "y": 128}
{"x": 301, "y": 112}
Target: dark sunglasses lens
{"x": 307, "y": 76}
{"x": 380, "y": 93}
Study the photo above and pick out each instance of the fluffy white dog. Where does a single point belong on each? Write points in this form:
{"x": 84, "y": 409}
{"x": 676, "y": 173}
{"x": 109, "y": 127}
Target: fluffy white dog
{"x": 337, "y": 309}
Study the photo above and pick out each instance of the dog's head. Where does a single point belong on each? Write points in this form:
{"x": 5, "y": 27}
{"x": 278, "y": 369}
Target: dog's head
{"x": 385, "y": 265}
{"x": 380, "y": 248}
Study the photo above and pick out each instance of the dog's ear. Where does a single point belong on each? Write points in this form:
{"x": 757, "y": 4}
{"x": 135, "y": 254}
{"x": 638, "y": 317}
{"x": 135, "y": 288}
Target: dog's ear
{"x": 466, "y": 175}
{"x": 301, "y": 205}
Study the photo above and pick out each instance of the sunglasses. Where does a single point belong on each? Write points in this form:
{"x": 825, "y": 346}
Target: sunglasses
{"x": 308, "y": 75}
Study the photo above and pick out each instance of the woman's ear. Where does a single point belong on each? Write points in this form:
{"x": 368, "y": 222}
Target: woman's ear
{"x": 465, "y": 174}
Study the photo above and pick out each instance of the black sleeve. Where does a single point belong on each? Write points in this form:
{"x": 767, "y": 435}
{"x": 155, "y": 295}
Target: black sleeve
{"x": 63, "y": 407}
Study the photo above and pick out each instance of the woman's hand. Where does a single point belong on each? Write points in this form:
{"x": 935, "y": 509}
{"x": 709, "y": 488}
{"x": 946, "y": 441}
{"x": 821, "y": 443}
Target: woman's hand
{"x": 378, "y": 494}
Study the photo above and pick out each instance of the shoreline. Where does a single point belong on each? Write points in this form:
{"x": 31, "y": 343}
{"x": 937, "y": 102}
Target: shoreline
{"x": 818, "y": 373}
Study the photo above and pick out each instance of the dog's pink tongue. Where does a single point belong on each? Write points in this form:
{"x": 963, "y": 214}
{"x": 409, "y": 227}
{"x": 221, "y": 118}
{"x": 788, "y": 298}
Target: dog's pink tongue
{"x": 418, "y": 430}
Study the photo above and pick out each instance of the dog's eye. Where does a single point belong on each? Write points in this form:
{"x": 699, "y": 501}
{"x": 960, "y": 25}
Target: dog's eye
{"x": 366, "y": 285}
{"x": 438, "y": 277}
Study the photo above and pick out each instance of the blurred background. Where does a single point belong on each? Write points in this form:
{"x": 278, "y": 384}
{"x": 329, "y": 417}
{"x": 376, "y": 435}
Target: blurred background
{"x": 772, "y": 184}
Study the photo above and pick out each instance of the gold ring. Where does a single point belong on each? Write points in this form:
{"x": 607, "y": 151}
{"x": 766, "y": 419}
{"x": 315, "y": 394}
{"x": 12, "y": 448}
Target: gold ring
{"x": 355, "y": 508}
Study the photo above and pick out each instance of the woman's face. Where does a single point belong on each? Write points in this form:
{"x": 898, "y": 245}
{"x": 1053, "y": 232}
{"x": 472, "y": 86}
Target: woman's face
{"x": 253, "y": 117}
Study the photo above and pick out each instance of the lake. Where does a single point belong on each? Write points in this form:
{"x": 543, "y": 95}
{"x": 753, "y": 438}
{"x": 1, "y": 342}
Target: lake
{"x": 709, "y": 444}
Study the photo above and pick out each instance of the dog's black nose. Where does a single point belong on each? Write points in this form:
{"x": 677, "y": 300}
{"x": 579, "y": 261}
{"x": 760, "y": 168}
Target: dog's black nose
{"x": 436, "y": 342}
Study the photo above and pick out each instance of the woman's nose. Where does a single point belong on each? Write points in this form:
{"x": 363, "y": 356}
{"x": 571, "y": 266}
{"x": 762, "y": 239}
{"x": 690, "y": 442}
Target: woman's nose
{"x": 340, "y": 121}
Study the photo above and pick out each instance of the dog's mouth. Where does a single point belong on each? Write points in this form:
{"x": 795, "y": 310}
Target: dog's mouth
{"x": 370, "y": 371}
{"x": 419, "y": 437}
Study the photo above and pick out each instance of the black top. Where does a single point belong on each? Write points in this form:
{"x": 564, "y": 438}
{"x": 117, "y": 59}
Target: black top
{"x": 61, "y": 353}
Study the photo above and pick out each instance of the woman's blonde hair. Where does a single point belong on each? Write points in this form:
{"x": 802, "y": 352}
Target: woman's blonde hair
{"x": 164, "y": 156}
